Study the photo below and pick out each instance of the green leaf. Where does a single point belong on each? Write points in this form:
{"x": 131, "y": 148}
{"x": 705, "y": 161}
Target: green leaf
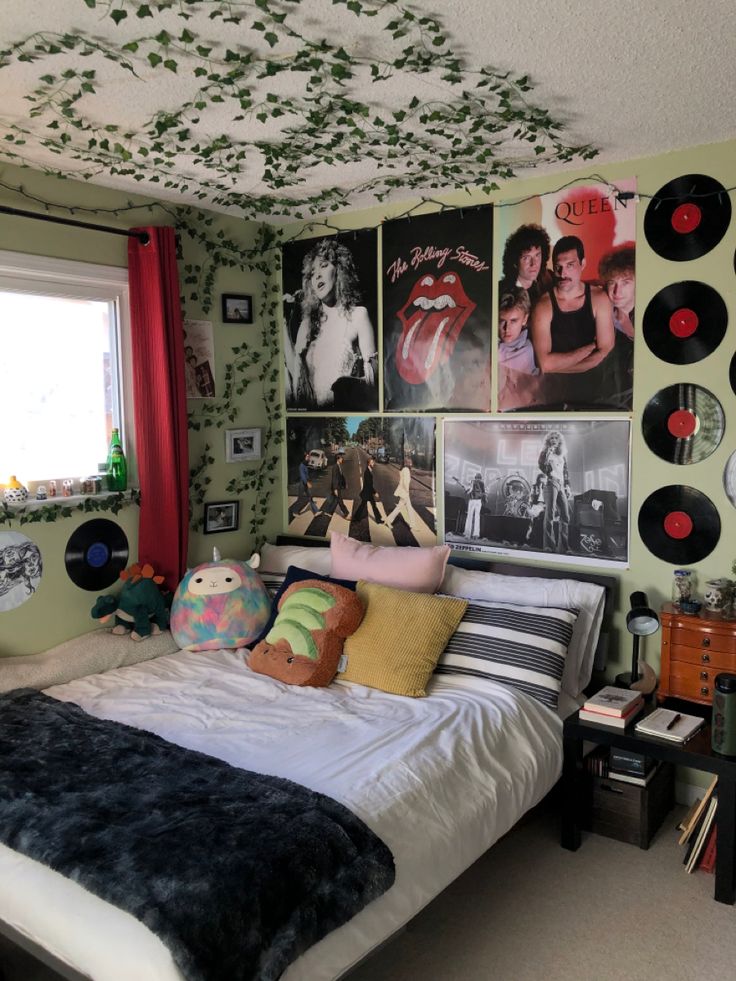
{"x": 155, "y": 59}
{"x": 144, "y": 11}
{"x": 118, "y": 15}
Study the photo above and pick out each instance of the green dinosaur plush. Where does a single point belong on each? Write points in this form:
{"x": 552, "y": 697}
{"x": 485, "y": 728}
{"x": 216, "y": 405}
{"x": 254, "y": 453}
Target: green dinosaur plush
{"x": 140, "y": 608}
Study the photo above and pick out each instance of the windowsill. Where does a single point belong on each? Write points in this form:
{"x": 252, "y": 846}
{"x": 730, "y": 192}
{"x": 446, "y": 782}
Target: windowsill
{"x": 74, "y": 500}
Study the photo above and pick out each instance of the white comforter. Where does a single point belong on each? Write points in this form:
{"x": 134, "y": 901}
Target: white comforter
{"x": 439, "y": 779}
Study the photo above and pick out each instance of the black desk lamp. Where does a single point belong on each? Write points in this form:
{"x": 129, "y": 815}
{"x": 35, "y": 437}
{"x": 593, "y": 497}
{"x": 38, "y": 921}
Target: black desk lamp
{"x": 641, "y": 621}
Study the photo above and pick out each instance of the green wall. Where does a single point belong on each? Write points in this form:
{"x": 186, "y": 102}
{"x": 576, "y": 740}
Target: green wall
{"x": 59, "y": 609}
{"x": 652, "y": 273}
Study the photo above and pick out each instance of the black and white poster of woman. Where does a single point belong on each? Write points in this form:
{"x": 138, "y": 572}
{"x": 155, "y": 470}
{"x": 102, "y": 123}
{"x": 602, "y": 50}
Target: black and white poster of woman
{"x": 437, "y": 311}
{"x": 556, "y": 488}
{"x": 330, "y": 308}
{"x": 20, "y": 569}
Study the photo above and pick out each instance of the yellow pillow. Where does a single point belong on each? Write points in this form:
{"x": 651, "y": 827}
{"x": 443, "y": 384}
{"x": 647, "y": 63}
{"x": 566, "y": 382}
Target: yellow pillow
{"x": 399, "y": 642}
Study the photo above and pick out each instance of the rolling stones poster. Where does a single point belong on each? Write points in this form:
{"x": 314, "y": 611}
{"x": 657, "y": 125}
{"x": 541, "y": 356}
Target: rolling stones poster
{"x": 557, "y": 489}
{"x": 369, "y": 477}
{"x": 566, "y": 316}
{"x": 330, "y": 316}
{"x": 437, "y": 312}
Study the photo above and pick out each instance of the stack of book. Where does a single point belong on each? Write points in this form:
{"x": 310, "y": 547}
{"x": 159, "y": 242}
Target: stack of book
{"x": 628, "y": 767}
{"x": 612, "y": 706}
{"x": 699, "y": 831}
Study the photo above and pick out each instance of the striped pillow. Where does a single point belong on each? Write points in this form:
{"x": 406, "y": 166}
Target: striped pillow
{"x": 520, "y": 646}
{"x": 273, "y": 581}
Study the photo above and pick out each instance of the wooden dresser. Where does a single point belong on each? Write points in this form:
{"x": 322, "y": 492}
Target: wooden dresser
{"x": 695, "y": 648}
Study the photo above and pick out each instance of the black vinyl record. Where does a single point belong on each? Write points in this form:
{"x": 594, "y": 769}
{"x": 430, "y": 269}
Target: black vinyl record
{"x": 685, "y": 322}
{"x": 683, "y": 423}
{"x": 679, "y": 524}
{"x": 96, "y": 554}
{"x": 687, "y": 217}
{"x": 732, "y": 373}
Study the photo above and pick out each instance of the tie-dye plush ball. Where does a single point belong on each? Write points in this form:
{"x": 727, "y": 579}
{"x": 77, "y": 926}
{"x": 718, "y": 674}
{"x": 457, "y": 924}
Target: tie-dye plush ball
{"x": 219, "y": 604}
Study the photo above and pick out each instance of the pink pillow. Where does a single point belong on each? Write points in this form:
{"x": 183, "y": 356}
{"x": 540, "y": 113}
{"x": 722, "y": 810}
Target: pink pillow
{"x": 418, "y": 569}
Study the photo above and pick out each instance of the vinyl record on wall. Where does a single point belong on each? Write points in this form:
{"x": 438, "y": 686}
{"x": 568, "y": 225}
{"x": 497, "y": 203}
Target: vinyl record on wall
{"x": 679, "y": 524}
{"x": 732, "y": 373}
{"x": 685, "y": 322}
{"x": 729, "y": 479}
{"x": 683, "y": 423}
{"x": 687, "y": 217}
{"x": 96, "y": 554}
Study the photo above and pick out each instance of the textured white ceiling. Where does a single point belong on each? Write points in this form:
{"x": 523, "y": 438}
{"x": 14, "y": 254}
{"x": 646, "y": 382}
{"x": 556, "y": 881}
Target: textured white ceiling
{"x": 632, "y": 78}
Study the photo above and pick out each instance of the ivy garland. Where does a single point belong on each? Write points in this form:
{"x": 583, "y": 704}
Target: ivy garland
{"x": 481, "y": 126}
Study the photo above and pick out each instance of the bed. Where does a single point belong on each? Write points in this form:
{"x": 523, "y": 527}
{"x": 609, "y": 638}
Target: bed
{"x": 438, "y": 779}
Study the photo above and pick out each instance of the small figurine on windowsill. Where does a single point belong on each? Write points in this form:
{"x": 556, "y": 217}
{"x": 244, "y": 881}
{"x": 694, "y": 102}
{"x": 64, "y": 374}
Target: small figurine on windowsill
{"x": 15, "y": 492}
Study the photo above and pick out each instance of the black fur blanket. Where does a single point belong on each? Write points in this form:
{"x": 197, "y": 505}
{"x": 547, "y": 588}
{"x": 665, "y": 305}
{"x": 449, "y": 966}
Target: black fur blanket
{"x": 236, "y": 872}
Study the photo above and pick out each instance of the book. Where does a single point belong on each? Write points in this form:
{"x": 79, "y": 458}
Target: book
{"x": 668, "y": 724}
{"x": 611, "y": 721}
{"x": 689, "y": 827}
{"x": 613, "y": 701}
{"x": 708, "y": 859}
{"x": 636, "y": 779}
{"x": 634, "y": 763}
{"x": 704, "y": 831}
{"x": 689, "y": 817}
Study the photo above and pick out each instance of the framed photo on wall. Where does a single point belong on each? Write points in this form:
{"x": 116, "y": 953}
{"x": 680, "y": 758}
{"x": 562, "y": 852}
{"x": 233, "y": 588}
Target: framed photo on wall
{"x": 242, "y": 445}
{"x": 221, "y": 516}
{"x": 237, "y": 308}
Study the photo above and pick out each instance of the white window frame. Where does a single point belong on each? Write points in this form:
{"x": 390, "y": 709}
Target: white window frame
{"x": 24, "y": 273}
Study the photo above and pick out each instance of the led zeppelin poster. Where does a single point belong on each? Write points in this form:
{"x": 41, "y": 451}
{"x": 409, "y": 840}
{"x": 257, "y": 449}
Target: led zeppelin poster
{"x": 556, "y": 488}
{"x": 566, "y": 317}
{"x": 437, "y": 312}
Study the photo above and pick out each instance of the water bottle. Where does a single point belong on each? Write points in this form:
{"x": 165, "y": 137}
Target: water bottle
{"x": 117, "y": 468}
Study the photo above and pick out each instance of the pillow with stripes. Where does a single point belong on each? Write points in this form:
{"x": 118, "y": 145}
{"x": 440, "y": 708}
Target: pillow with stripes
{"x": 523, "y": 647}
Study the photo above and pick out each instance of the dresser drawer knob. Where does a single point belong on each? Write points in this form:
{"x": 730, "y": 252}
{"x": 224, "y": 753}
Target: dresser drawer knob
{"x": 703, "y": 675}
{"x": 704, "y": 691}
{"x": 705, "y": 642}
{"x": 705, "y": 659}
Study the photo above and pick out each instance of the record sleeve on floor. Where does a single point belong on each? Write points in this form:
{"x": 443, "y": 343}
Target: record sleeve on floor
{"x": 683, "y": 423}
{"x": 96, "y": 554}
{"x": 685, "y": 322}
{"x": 679, "y": 524}
{"x": 687, "y": 217}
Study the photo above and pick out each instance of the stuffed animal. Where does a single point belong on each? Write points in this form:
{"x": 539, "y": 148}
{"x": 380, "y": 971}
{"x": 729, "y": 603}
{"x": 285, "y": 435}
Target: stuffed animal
{"x": 140, "y": 608}
{"x": 304, "y": 645}
{"x": 222, "y": 603}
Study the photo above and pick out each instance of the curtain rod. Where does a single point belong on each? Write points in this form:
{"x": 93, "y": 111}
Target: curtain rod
{"x": 143, "y": 237}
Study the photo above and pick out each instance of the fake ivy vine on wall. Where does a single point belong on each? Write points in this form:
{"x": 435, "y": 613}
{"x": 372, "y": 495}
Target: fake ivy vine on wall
{"x": 296, "y": 106}
{"x": 32, "y": 513}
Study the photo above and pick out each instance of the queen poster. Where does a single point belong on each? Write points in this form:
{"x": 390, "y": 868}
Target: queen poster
{"x": 437, "y": 312}
{"x": 566, "y": 313}
{"x": 553, "y": 488}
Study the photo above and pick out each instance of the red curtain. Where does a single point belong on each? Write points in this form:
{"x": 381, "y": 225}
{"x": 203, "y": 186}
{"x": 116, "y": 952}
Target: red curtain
{"x": 162, "y": 447}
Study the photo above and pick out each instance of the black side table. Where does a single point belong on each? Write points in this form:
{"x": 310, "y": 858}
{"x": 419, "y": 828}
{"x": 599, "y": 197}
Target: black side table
{"x": 696, "y": 753}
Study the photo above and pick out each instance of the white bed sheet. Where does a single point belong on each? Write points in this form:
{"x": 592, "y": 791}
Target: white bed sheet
{"x": 439, "y": 779}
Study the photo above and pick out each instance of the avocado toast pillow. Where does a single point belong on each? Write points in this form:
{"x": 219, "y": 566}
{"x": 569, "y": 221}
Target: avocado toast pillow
{"x": 305, "y": 641}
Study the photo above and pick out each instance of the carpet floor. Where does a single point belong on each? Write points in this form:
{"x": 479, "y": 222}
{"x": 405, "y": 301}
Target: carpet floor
{"x": 530, "y": 911}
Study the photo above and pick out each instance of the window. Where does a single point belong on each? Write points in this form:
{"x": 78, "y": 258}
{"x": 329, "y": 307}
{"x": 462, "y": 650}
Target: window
{"x": 65, "y": 335}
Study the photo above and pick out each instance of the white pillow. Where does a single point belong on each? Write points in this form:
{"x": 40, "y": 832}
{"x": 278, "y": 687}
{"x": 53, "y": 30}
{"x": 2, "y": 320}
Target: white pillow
{"x": 587, "y": 597}
{"x": 92, "y": 653}
{"x": 278, "y": 558}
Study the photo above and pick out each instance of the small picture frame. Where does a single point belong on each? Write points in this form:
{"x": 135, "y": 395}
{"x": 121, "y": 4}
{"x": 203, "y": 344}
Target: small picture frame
{"x": 237, "y": 308}
{"x": 221, "y": 516}
{"x": 242, "y": 445}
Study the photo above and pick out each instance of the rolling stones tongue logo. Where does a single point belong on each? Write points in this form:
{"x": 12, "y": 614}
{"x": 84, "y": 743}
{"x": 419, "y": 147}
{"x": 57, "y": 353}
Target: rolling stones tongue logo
{"x": 432, "y": 317}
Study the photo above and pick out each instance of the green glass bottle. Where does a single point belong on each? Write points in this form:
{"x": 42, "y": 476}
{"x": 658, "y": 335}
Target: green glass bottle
{"x": 117, "y": 468}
